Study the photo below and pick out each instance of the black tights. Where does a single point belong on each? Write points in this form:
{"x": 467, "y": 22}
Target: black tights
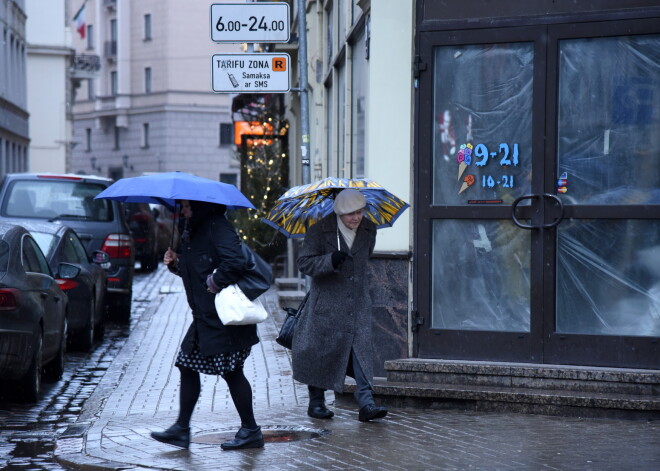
{"x": 239, "y": 388}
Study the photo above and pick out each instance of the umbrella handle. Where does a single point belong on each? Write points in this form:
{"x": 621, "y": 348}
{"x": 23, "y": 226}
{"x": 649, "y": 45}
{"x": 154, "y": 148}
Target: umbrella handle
{"x": 338, "y": 244}
{"x": 173, "y": 226}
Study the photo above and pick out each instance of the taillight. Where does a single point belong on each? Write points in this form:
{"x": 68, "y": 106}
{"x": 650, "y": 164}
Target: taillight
{"x": 8, "y": 299}
{"x": 66, "y": 285}
{"x": 118, "y": 245}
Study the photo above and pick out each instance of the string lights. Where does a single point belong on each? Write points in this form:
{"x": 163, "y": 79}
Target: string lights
{"x": 260, "y": 136}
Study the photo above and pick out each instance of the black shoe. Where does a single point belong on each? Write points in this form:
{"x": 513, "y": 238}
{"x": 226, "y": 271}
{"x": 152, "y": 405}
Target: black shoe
{"x": 245, "y": 438}
{"x": 319, "y": 412}
{"x": 175, "y": 435}
{"x": 370, "y": 412}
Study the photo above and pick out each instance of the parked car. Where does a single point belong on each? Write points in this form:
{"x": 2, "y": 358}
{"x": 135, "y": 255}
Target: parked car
{"x": 143, "y": 226}
{"x": 33, "y": 313}
{"x": 100, "y": 224}
{"x": 86, "y": 292}
{"x": 168, "y": 234}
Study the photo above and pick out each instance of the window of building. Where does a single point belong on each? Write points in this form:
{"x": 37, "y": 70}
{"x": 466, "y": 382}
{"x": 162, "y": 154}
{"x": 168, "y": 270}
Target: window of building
{"x": 113, "y": 82}
{"x": 145, "y": 135}
{"x": 230, "y": 178}
{"x": 226, "y": 134}
{"x": 90, "y": 37}
{"x": 359, "y": 78}
{"x": 116, "y": 138}
{"x": 340, "y": 120}
{"x": 346, "y": 92}
{"x": 90, "y": 89}
{"x": 147, "y": 80}
{"x": 147, "y": 27}
{"x": 88, "y": 139}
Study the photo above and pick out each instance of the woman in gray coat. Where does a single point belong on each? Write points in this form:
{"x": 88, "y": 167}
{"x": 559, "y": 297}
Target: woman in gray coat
{"x": 333, "y": 337}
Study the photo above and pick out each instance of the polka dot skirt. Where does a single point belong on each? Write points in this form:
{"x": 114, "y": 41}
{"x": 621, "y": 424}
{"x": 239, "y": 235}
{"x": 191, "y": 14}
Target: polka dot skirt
{"x": 213, "y": 364}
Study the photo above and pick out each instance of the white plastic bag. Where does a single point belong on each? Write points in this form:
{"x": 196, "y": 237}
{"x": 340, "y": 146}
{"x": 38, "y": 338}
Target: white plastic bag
{"x": 234, "y": 308}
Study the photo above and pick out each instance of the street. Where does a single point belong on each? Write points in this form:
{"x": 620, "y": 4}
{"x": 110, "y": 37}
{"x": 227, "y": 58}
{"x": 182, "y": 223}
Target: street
{"x": 29, "y": 431}
{"x": 100, "y": 414}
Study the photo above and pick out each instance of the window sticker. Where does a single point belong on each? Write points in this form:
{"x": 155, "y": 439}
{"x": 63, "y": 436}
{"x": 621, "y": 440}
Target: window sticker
{"x": 562, "y": 183}
{"x": 506, "y": 156}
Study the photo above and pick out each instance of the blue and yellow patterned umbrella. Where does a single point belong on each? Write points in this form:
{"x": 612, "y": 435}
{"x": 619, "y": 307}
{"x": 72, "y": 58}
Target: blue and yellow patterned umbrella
{"x": 304, "y": 205}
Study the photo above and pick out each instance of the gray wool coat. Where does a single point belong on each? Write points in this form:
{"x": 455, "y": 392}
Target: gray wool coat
{"x": 337, "y": 316}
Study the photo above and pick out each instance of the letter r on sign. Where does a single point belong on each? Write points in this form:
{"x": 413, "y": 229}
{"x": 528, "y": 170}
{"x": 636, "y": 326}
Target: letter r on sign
{"x": 279, "y": 64}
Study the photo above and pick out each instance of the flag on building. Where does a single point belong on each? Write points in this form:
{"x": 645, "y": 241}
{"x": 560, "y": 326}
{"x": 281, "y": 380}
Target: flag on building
{"x": 79, "y": 21}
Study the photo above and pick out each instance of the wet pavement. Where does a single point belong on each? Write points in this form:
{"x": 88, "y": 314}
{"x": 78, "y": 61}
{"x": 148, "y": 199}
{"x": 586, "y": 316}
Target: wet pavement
{"x": 99, "y": 416}
{"x": 139, "y": 394}
{"x": 28, "y": 432}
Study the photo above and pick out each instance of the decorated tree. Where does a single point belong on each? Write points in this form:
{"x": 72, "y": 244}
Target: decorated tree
{"x": 260, "y": 133}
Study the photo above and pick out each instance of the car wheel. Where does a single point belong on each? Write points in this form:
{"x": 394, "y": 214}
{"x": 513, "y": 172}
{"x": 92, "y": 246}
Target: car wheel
{"x": 31, "y": 383}
{"x": 99, "y": 332}
{"x": 85, "y": 338}
{"x": 55, "y": 368}
{"x": 121, "y": 307}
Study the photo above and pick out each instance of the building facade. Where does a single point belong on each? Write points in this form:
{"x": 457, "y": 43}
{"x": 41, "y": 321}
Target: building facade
{"x": 526, "y": 140}
{"x": 152, "y": 108}
{"x": 360, "y": 107}
{"x": 49, "y": 85}
{"x": 14, "y": 133}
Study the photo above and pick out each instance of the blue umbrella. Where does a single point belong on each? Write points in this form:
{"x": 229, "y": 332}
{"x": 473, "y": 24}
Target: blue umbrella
{"x": 165, "y": 188}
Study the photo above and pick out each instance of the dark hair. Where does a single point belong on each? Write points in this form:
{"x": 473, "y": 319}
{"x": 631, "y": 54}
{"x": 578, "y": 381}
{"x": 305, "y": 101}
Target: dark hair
{"x": 201, "y": 211}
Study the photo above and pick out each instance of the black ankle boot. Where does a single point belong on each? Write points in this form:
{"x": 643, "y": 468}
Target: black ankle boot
{"x": 371, "y": 412}
{"x": 319, "y": 411}
{"x": 175, "y": 435}
{"x": 245, "y": 438}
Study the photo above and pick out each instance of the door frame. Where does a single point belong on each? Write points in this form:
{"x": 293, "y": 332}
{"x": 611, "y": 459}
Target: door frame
{"x": 564, "y": 348}
{"x": 542, "y": 344}
{"x": 500, "y": 346}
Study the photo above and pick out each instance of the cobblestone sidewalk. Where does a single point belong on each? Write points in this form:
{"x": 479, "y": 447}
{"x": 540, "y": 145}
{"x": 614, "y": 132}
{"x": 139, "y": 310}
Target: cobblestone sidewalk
{"x": 139, "y": 394}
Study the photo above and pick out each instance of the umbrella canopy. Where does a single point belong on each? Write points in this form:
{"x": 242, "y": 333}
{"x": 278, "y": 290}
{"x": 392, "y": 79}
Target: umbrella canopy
{"x": 304, "y": 205}
{"x": 165, "y": 188}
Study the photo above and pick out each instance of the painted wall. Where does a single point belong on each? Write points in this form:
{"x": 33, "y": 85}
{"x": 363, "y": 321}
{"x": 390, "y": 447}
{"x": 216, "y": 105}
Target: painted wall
{"x": 47, "y": 66}
{"x": 389, "y": 127}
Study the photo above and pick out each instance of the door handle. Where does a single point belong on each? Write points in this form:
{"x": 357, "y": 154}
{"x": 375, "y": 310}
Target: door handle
{"x": 557, "y": 200}
{"x": 550, "y": 196}
{"x": 513, "y": 211}
{"x": 43, "y": 295}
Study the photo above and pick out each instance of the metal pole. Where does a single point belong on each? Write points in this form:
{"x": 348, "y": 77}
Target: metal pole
{"x": 304, "y": 100}
{"x": 304, "y": 97}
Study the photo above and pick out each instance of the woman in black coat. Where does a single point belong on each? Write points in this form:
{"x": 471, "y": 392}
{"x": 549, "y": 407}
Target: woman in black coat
{"x": 210, "y": 258}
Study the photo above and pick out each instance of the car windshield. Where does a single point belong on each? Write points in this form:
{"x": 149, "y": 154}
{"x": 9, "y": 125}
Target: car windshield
{"x": 4, "y": 256}
{"x": 44, "y": 241}
{"x": 56, "y": 199}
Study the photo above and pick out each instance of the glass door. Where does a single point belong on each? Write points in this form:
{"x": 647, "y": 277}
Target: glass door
{"x": 482, "y": 148}
{"x": 538, "y": 232}
{"x": 606, "y": 296}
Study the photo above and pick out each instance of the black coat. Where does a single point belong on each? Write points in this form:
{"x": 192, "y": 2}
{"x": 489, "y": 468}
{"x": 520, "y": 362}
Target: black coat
{"x": 214, "y": 244}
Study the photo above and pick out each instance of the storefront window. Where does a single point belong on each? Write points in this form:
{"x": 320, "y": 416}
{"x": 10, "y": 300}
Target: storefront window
{"x": 483, "y": 126}
{"x": 480, "y": 276}
{"x": 609, "y": 120}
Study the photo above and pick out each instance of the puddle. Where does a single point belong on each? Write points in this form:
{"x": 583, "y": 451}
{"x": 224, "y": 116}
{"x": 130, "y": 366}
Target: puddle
{"x": 272, "y": 434}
